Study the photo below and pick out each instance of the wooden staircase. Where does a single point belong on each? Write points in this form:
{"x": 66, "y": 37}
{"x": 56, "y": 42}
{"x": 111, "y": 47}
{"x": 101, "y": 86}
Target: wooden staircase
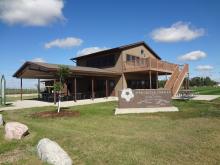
{"x": 176, "y": 79}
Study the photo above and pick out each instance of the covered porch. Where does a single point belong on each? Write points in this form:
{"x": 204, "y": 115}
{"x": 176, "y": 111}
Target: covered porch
{"x": 82, "y": 82}
{"x": 145, "y": 79}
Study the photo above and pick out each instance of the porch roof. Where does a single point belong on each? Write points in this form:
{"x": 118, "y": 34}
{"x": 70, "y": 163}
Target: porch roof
{"x": 39, "y": 70}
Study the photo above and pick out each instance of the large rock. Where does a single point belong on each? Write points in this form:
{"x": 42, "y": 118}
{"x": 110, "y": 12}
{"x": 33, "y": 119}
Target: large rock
{"x": 50, "y": 152}
{"x": 15, "y": 130}
{"x": 1, "y": 120}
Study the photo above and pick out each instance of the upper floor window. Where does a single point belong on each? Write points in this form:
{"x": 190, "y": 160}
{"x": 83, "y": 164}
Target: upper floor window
{"x": 103, "y": 61}
{"x": 132, "y": 58}
{"x": 142, "y": 52}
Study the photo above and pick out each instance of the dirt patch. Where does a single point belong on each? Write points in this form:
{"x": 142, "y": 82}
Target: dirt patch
{"x": 12, "y": 156}
{"x": 62, "y": 113}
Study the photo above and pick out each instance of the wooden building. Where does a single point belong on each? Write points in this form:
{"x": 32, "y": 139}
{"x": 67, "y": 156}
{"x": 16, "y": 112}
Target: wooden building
{"x": 104, "y": 73}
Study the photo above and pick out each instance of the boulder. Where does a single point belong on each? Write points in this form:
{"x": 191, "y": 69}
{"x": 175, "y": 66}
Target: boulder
{"x": 15, "y": 130}
{"x": 50, "y": 152}
{"x": 1, "y": 120}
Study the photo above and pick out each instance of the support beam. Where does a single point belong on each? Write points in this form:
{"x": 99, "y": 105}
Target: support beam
{"x": 157, "y": 81}
{"x": 75, "y": 99}
{"x": 38, "y": 88}
{"x": 106, "y": 88}
{"x": 188, "y": 82}
{"x": 93, "y": 88}
{"x": 185, "y": 83}
{"x": 150, "y": 80}
{"x": 54, "y": 93}
{"x": 21, "y": 89}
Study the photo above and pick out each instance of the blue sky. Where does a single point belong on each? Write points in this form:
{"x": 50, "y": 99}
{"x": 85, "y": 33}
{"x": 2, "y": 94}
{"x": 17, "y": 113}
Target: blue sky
{"x": 179, "y": 31}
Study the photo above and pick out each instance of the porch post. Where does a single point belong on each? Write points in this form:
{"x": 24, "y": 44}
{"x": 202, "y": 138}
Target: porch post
{"x": 185, "y": 83}
{"x": 106, "y": 88}
{"x": 188, "y": 82}
{"x": 92, "y": 88}
{"x": 157, "y": 80}
{"x": 38, "y": 88}
{"x": 21, "y": 89}
{"x": 75, "y": 89}
{"x": 54, "y": 93}
{"x": 150, "y": 80}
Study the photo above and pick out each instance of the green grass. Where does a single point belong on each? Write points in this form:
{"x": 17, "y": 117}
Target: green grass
{"x": 17, "y": 91}
{"x": 207, "y": 90}
{"x": 190, "y": 136}
{"x": 15, "y": 98}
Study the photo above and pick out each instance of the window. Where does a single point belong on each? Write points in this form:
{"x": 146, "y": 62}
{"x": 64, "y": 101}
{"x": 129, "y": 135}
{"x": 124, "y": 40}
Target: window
{"x": 99, "y": 62}
{"x": 132, "y": 58}
{"x": 142, "y": 52}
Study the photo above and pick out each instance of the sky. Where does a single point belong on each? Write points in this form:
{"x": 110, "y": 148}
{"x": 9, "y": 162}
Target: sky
{"x": 53, "y": 31}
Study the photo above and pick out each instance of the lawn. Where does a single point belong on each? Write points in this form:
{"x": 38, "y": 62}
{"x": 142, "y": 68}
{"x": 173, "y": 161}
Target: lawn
{"x": 207, "y": 90}
{"x": 16, "y": 98}
{"x": 190, "y": 136}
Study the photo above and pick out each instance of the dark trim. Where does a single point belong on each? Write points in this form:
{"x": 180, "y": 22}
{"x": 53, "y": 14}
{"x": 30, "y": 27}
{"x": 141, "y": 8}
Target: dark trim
{"x": 52, "y": 69}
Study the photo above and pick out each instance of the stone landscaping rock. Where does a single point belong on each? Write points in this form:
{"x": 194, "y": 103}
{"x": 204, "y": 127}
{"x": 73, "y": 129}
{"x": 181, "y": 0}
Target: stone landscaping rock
{"x": 50, "y": 152}
{"x": 15, "y": 130}
{"x": 1, "y": 120}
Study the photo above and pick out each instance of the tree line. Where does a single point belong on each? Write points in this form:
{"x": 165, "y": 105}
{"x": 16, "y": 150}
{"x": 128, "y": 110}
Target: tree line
{"x": 195, "y": 81}
{"x": 202, "y": 81}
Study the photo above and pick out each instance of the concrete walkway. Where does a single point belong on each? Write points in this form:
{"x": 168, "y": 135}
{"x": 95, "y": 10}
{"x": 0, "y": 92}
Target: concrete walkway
{"x": 119, "y": 111}
{"x": 206, "y": 97}
{"x": 200, "y": 97}
{"x": 35, "y": 103}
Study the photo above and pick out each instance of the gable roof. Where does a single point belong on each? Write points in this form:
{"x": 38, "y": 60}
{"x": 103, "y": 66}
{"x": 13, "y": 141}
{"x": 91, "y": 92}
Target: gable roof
{"x": 51, "y": 68}
{"x": 119, "y": 49}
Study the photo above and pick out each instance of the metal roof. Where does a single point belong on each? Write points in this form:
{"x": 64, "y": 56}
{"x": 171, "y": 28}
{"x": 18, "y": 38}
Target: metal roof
{"x": 119, "y": 49}
{"x": 50, "y": 69}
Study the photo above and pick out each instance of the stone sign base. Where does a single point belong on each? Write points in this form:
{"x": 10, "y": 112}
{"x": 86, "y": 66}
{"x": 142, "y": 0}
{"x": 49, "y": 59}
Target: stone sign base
{"x": 145, "y": 110}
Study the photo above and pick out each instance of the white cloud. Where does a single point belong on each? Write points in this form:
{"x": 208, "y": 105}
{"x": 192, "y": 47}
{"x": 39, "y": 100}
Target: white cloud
{"x": 204, "y": 68}
{"x": 90, "y": 50}
{"x": 179, "y": 31}
{"x": 193, "y": 56}
{"x": 64, "y": 43}
{"x": 31, "y": 12}
{"x": 38, "y": 60}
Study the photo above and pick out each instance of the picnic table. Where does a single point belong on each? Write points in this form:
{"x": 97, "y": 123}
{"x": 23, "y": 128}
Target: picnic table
{"x": 186, "y": 93}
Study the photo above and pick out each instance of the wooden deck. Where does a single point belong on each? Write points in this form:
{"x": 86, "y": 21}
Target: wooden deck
{"x": 149, "y": 64}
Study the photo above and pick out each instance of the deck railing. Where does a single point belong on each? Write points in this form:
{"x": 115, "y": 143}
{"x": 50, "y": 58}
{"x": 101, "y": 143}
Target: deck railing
{"x": 149, "y": 64}
{"x": 180, "y": 79}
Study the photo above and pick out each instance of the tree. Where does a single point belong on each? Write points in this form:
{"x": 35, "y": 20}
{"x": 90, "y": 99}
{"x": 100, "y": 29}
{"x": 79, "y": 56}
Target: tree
{"x": 202, "y": 81}
{"x": 62, "y": 74}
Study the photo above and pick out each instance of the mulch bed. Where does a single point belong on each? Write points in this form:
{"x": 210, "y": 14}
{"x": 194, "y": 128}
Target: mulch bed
{"x": 62, "y": 113}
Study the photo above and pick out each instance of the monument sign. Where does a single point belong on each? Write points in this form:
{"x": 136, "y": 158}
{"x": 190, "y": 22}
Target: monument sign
{"x": 144, "y": 98}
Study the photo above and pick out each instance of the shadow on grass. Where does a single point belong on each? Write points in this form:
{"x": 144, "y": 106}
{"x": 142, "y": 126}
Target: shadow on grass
{"x": 194, "y": 109}
{"x": 189, "y": 109}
